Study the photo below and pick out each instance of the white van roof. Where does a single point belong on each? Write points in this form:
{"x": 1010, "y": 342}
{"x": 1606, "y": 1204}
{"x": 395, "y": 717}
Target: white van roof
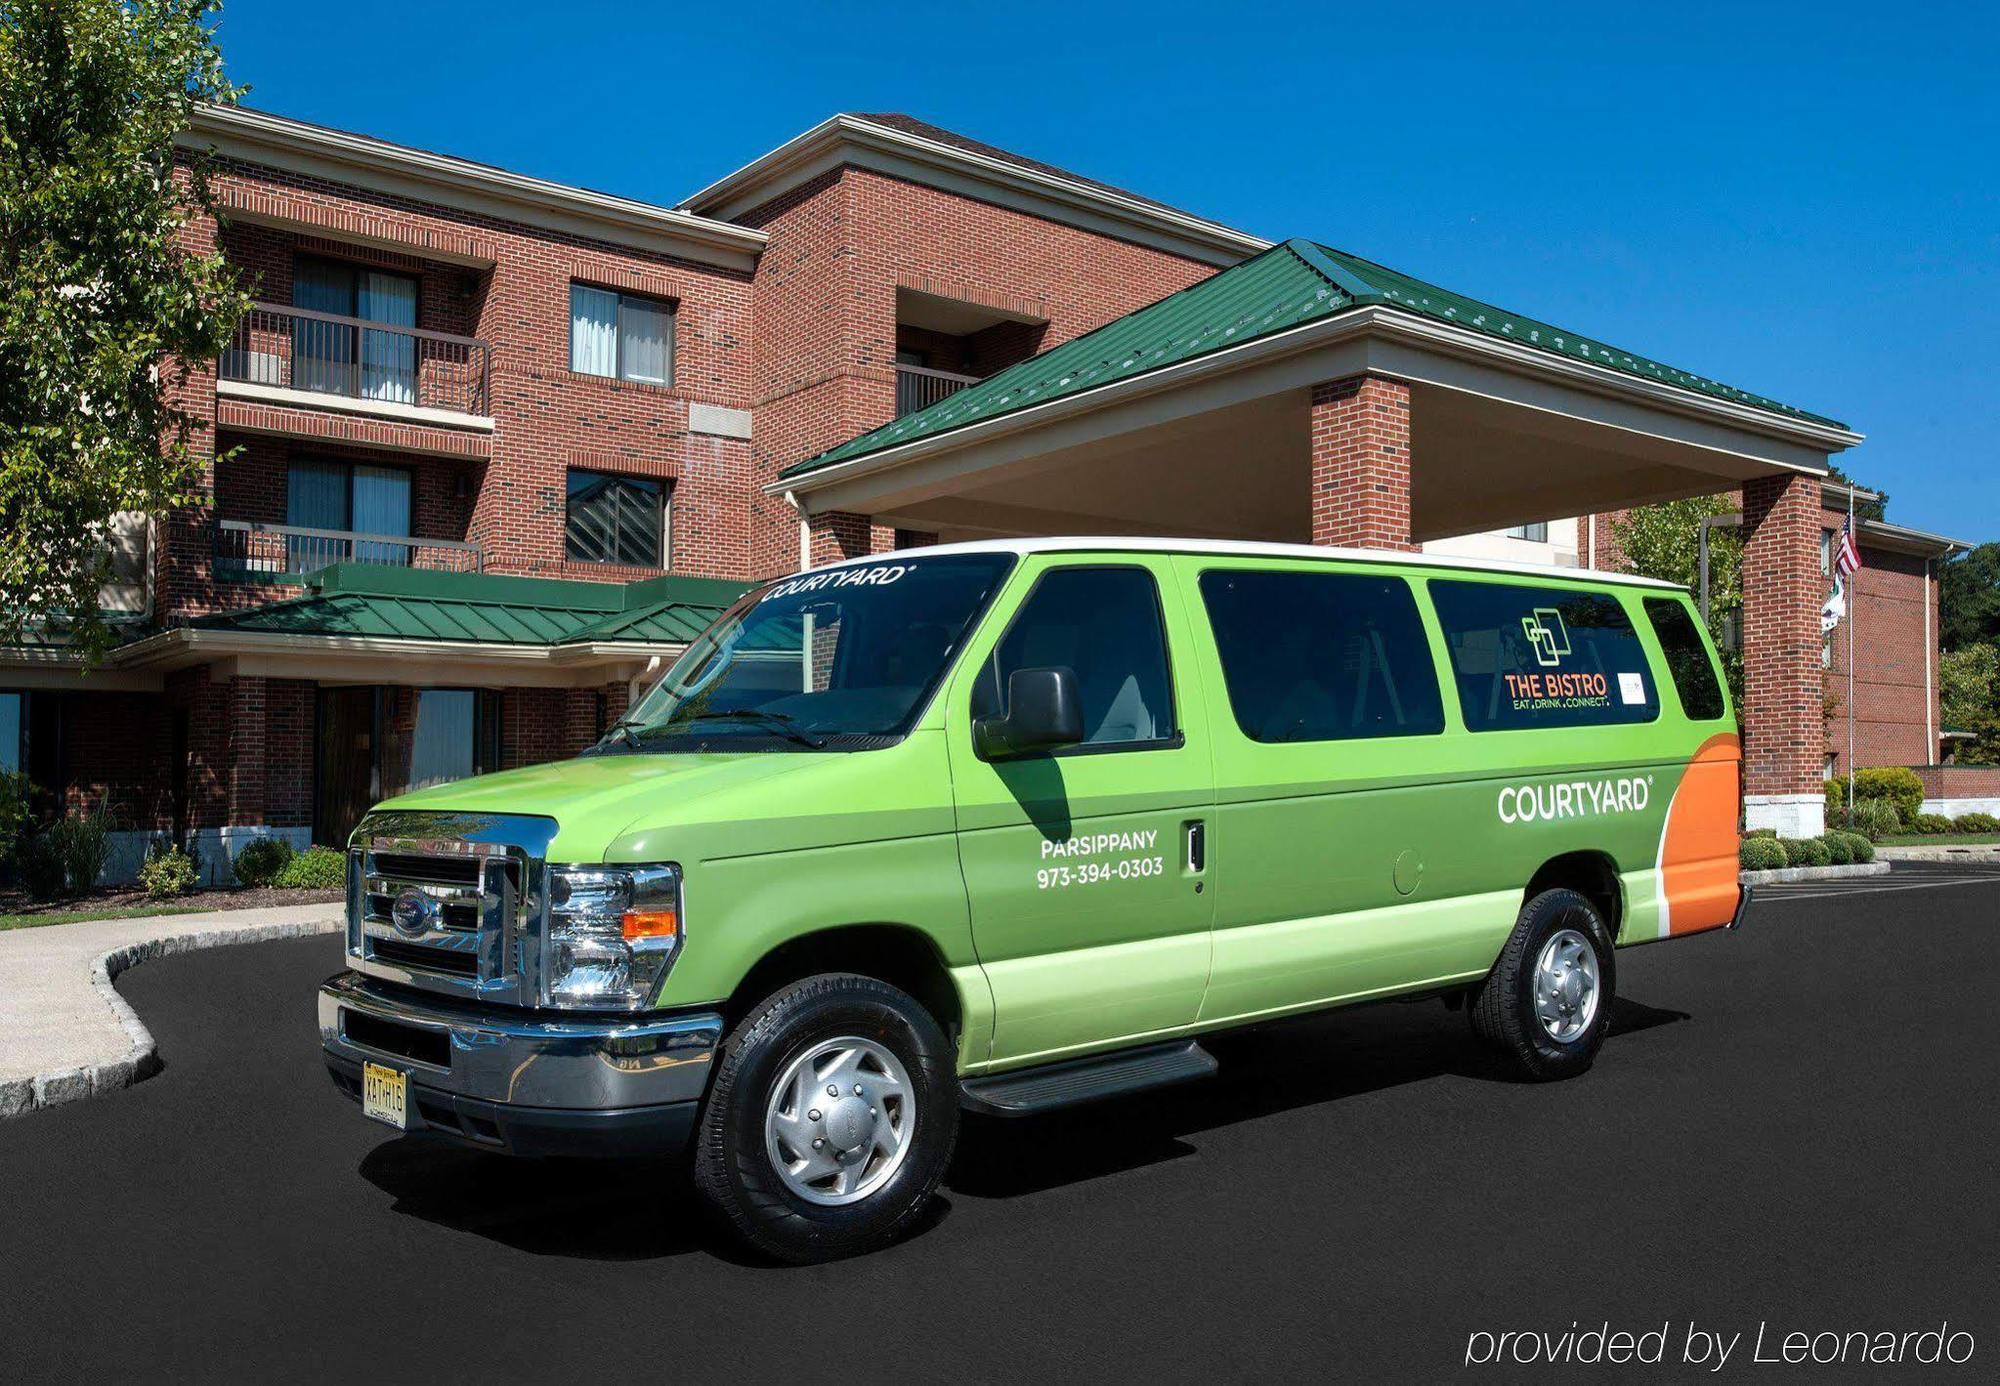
{"x": 1243, "y": 549}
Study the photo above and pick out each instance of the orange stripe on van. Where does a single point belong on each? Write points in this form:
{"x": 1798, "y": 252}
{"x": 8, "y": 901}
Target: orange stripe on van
{"x": 1698, "y": 853}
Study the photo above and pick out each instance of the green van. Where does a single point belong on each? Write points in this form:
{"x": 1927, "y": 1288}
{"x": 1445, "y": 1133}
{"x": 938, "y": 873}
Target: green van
{"x": 1003, "y": 827}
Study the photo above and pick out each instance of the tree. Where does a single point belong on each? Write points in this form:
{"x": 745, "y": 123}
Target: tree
{"x": 1969, "y": 688}
{"x": 1969, "y": 592}
{"x": 1663, "y": 541}
{"x": 1863, "y": 509}
{"x": 102, "y": 305}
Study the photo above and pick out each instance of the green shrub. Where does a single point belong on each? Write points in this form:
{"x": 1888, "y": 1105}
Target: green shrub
{"x": 260, "y": 862}
{"x": 1838, "y": 852}
{"x": 1898, "y": 784}
{"x": 1836, "y": 796}
{"x": 1861, "y": 848}
{"x": 1762, "y": 832}
{"x": 1930, "y": 824}
{"x": 316, "y": 868}
{"x": 68, "y": 856}
{"x": 168, "y": 872}
{"x": 16, "y": 812}
{"x": 1762, "y": 854}
{"x": 1975, "y": 823}
{"x": 1877, "y": 819}
{"x": 1806, "y": 851}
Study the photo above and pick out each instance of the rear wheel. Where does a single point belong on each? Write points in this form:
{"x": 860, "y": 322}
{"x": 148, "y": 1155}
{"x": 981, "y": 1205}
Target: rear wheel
{"x": 830, "y": 1121}
{"x": 1546, "y": 1004}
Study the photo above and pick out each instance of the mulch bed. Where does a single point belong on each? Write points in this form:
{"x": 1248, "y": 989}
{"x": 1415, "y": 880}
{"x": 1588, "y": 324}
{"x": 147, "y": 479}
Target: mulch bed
{"x": 14, "y": 901}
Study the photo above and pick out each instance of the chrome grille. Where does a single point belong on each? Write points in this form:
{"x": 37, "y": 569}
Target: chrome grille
{"x": 472, "y": 884}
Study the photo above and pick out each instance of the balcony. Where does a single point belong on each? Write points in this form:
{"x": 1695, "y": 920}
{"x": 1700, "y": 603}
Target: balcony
{"x": 254, "y": 552}
{"x": 298, "y": 357}
{"x": 919, "y": 387}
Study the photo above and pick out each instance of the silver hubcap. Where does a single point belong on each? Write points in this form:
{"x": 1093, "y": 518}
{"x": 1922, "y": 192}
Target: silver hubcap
{"x": 1566, "y": 986}
{"x": 839, "y": 1120}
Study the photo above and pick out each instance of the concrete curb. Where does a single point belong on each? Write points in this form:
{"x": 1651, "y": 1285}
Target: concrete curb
{"x": 1787, "y": 874}
{"x": 19, "y": 1096}
{"x": 1967, "y": 852}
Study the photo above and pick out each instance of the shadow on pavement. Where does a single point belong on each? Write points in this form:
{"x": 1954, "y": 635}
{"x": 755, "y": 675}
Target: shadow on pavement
{"x": 632, "y": 1210}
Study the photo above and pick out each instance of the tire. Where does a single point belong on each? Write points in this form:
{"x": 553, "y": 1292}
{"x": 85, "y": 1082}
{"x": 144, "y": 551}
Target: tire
{"x": 1504, "y": 1011}
{"x": 854, "y": 1193}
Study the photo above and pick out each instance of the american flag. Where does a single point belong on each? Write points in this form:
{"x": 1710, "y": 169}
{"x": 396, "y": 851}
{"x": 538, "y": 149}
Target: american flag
{"x": 1847, "y": 557}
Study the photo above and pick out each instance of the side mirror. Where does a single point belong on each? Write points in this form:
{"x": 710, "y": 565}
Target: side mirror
{"x": 1042, "y": 714}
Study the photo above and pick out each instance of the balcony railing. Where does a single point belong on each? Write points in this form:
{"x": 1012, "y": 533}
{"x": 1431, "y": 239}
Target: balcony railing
{"x": 253, "y": 551}
{"x": 323, "y": 353}
{"x": 919, "y": 387}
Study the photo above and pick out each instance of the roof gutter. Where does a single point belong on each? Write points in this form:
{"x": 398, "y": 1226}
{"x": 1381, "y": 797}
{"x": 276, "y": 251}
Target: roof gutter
{"x": 740, "y": 191}
{"x": 1390, "y": 322}
{"x": 186, "y": 645}
{"x": 261, "y": 137}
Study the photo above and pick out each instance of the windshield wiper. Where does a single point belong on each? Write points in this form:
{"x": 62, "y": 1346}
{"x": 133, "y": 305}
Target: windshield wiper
{"x": 626, "y": 732}
{"x": 778, "y": 723}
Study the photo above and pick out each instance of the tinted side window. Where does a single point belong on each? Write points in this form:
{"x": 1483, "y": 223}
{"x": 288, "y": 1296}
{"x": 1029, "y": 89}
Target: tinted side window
{"x": 1543, "y": 657}
{"x": 1104, "y": 626}
{"x": 1322, "y": 656}
{"x": 1687, "y": 658}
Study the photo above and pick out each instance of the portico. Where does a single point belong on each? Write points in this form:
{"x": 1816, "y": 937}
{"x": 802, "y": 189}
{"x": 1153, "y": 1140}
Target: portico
{"x": 1310, "y": 396}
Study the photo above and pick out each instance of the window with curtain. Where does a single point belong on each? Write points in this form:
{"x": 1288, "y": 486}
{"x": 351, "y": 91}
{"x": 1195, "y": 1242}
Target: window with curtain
{"x": 337, "y": 358}
{"x": 616, "y": 519}
{"x": 622, "y": 336}
{"x": 354, "y": 497}
{"x": 1535, "y": 531}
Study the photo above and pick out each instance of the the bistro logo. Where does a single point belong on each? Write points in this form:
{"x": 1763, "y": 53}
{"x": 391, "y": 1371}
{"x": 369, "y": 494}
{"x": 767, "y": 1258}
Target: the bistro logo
{"x": 1546, "y": 632}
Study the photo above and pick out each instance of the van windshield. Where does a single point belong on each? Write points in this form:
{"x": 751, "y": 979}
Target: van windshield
{"x": 839, "y": 659}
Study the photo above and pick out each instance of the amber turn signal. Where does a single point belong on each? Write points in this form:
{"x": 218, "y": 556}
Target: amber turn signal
{"x": 652, "y": 923}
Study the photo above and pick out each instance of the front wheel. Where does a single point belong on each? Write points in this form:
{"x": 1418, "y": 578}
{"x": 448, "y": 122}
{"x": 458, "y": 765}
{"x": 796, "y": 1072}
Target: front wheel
{"x": 1546, "y": 1004}
{"x": 830, "y": 1121}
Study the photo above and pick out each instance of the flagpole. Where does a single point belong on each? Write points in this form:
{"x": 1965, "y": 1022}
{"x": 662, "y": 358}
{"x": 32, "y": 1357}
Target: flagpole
{"x": 1853, "y": 611}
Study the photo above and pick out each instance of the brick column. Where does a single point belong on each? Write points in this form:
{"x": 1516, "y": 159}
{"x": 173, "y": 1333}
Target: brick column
{"x": 838, "y": 534}
{"x": 1784, "y": 719}
{"x": 246, "y": 752}
{"x": 1361, "y": 463}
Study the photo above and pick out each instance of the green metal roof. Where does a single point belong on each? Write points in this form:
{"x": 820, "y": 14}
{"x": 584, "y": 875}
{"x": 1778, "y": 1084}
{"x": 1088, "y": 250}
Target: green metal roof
{"x": 1289, "y": 285}
{"x": 376, "y": 601}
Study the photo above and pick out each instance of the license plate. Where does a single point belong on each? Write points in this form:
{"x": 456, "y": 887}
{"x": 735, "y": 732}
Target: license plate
{"x": 385, "y": 1095}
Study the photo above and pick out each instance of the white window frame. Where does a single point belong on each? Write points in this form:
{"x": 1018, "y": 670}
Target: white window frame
{"x": 670, "y": 307}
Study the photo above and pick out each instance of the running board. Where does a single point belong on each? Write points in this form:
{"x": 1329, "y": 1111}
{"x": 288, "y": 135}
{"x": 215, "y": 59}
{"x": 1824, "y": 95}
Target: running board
{"x": 1049, "y": 1087}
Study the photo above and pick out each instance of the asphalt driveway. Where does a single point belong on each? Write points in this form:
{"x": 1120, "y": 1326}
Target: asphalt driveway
{"x": 1795, "y": 1126}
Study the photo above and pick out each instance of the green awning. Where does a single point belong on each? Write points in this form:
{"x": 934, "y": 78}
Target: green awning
{"x": 1287, "y": 286}
{"x": 380, "y": 602}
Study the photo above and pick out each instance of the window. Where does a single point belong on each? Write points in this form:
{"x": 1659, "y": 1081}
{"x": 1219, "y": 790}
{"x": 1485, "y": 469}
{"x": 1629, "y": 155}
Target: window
{"x": 1687, "y": 659}
{"x": 1542, "y": 657}
{"x": 620, "y": 335}
{"x": 348, "y": 497}
{"x": 1322, "y": 656}
{"x": 13, "y": 732}
{"x": 378, "y": 741}
{"x": 338, "y": 358}
{"x": 1536, "y": 532}
{"x": 616, "y": 519}
{"x": 1826, "y": 553}
{"x": 1104, "y": 626}
{"x": 1829, "y": 766}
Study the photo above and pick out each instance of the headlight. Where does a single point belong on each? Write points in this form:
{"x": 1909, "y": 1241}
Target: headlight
{"x": 613, "y": 932}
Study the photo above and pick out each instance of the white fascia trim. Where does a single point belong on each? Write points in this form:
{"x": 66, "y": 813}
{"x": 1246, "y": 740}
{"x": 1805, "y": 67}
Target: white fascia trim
{"x": 377, "y": 165}
{"x": 342, "y": 404}
{"x": 1523, "y": 360}
{"x": 187, "y": 645}
{"x": 806, "y": 156}
{"x": 1882, "y": 534}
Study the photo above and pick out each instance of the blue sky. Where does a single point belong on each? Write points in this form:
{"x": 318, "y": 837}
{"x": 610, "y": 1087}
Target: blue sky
{"x": 1803, "y": 201}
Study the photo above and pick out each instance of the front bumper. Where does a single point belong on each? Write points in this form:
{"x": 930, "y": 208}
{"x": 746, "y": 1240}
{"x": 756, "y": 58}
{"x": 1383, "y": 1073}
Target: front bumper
{"x": 524, "y": 1082}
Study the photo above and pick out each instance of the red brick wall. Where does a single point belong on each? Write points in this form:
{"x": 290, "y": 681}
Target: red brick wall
{"x": 1783, "y": 719}
{"x": 826, "y": 307}
{"x": 1361, "y": 463}
{"x": 1886, "y": 605}
{"x": 547, "y": 419}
